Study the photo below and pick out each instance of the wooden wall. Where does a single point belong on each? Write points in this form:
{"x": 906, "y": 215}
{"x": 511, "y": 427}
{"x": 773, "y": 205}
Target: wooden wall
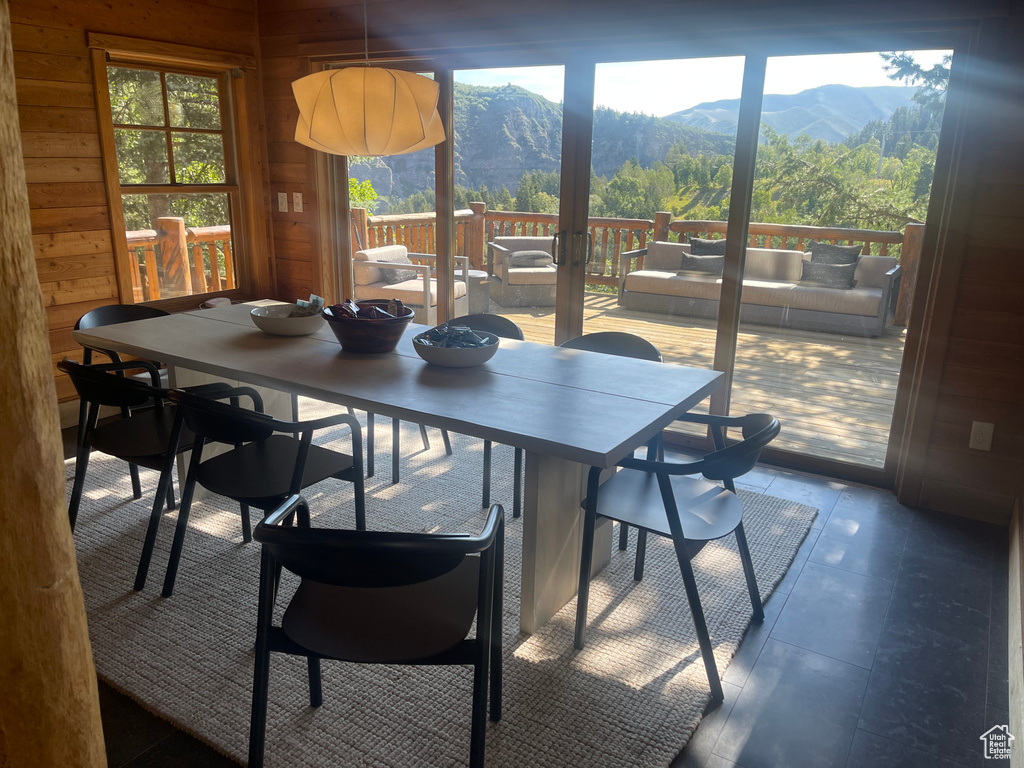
{"x": 71, "y": 227}
{"x": 971, "y": 362}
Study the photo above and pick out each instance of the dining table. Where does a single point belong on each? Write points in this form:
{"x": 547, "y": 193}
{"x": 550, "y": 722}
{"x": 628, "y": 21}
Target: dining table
{"x": 568, "y": 409}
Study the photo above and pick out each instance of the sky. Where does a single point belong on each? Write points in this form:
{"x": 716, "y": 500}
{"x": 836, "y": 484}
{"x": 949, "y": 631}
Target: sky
{"x": 640, "y": 86}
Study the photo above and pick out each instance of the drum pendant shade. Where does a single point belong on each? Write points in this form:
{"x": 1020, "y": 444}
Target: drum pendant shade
{"x": 367, "y": 111}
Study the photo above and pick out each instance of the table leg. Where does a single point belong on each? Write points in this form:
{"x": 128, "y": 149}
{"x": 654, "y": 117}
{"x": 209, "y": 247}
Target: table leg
{"x": 552, "y": 533}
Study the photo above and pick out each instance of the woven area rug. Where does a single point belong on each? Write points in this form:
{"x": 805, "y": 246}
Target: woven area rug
{"x": 632, "y": 698}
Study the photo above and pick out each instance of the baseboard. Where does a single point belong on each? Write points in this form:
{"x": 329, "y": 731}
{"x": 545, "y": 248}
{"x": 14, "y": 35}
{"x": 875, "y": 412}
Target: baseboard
{"x": 1016, "y": 636}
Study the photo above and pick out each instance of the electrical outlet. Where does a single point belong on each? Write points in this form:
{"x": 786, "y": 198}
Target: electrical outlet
{"x": 297, "y": 201}
{"x": 981, "y": 435}
{"x": 282, "y": 202}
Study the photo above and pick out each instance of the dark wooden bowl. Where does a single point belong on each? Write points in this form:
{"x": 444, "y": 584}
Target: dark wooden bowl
{"x": 365, "y": 336}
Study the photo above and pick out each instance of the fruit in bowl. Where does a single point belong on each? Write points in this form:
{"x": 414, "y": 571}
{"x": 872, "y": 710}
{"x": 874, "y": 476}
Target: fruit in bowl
{"x": 455, "y": 346}
{"x": 368, "y": 327}
{"x": 286, "y": 320}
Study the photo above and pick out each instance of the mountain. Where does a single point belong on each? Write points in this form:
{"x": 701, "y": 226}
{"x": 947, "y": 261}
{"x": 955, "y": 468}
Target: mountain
{"x": 500, "y": 132}
{"x": 829, "y": 112}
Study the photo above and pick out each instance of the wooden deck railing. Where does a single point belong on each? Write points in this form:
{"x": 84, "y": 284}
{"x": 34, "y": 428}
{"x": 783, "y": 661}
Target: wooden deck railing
{"x": 175, "y": 260}
{"x": 477, "y": 226}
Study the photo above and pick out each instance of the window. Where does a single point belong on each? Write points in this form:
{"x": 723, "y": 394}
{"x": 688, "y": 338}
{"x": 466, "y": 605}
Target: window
{"x": 176, "y": 180}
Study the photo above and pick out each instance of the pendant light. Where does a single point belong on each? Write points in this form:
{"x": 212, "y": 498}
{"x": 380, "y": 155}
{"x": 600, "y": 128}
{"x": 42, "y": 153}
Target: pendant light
{"x": 367, "y": 110}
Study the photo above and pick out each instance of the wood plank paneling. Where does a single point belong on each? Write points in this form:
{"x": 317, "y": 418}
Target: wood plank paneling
{"x": 48, "y": 93}
{"x": 43, "y": 170}
{"x": 69, "y": 219}
{"x": 79, "y": 289}
{"x": 58, "y": 145}
{"x": 66, "y": 195}
{"x": 82, "y": 265}
{"x": 58, "y": 120}
{"x": 42, "y": 66}
{"x": 46, "y": 39}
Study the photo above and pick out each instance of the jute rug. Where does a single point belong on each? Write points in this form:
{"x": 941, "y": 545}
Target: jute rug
{"x": 632, "y": 698}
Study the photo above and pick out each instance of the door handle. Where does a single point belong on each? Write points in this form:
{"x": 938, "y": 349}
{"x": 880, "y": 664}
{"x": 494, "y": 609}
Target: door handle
{"x": 558, "y": 246}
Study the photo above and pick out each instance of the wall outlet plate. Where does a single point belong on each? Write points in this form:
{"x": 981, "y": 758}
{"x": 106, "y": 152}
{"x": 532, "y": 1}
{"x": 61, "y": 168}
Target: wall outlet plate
{"x": 981, "y": 435}
{"x": 282, "y": 202}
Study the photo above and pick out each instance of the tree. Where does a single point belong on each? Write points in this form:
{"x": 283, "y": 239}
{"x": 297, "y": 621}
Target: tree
{"x": 361, "y": 194}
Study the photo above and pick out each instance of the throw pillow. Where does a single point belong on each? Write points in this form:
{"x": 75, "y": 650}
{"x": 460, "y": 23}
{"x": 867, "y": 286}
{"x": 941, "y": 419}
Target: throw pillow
{"x": 828, "y": 275}
{"x": 704, "y": 265}
{"x": 827, "y": 253}
{"x": 699, "y": 247}
{"x": 529, "y": 259}
{"x": 393, "y": 275}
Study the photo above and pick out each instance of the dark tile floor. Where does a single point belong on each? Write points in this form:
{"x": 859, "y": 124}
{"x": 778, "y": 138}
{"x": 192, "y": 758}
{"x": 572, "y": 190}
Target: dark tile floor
{"x": 883, "y": 647}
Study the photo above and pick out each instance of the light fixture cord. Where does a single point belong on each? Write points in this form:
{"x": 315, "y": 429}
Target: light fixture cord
{"x": 366, "y": 35}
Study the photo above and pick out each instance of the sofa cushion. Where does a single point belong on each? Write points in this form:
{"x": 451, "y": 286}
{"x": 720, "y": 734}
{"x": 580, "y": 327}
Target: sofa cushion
{"x": 701, "y": 247}
{"x": 528, "y": 259}
{"x": 871, "y": 270}
{"x": 410, "y": 292}
{"x": 671, "y": 284}
{"x": 828, "y": 253}
{"x": 515, "y": 243}
{"x": 708, "y": 265}
{"x": 773, "y": 264}
{"x": 665, "y": 256}
{"x": 828, "y": 275}
{"x": 855, "y": 301}
{"x": 543, "y": 275}
{"x": 367, "y": 275}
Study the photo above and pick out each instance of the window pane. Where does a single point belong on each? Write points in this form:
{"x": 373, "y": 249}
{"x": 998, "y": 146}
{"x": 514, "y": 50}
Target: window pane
{"x": 141, "y": 157}
{"x": 179, "y": 245}
{"x": 136, "y": 97}
{"x": 193, "y": 101}
{"x": 198, "y": 158}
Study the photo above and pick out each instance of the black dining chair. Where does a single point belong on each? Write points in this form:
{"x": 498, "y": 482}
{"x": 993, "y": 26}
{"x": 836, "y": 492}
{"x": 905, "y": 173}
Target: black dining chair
{"x": 660, "y": 497}
{"x": 380, "y": 598}
{"x": 269, "y": 461}
{"x": 504, "y": 328}
{"x": 113, "y": 314}
{"x": 623, "y": 345}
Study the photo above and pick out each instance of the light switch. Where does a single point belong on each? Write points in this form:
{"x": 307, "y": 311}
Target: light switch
{"x": 282, "y": 202}
{"x": 297, "y": 201}
{"x": 981, "y": 435}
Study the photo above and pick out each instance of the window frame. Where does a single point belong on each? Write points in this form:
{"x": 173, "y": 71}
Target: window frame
{"x": 244, "y": 196}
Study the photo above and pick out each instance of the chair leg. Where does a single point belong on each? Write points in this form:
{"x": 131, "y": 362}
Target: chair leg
{"x": 258, "y": 719}
{"x": 703, "y": 638}
{"x": 164, "y": 489}
{"x": 369, "y": 444}
{"x": 396, "y": 448}
{"x": 447, "y": 442}
{"x": 170, "y": 494}
{"x": 424, "y": 437}
{"x": 748, "y": 572}
{"x": 623, "y": 536}
{"x": 487, "y": 475}
{"x": 586, "y": 561}
{"x": 641, "y": 554}
{"x": 246, "y": 523}
{"x": 133, "y": 470}
{"x": 179, "y": 530}
{"x": 517, "y": 479}
{"x": 81, "y": 464}
{"x": 316, "y": 691}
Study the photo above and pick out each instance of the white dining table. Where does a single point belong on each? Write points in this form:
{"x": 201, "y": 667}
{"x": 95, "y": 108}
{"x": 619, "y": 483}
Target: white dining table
{"x": 567, "y": 409}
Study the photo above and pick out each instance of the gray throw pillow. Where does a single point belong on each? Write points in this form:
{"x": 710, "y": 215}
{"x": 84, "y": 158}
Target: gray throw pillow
{"x": 828, "y": 275}
{"x": 392, "y": 275}
{"x": 700, "y": 247}
{"x": 703, "y": 265}
{"x": 529, "y": 259}
{"x": 827, "y": 253}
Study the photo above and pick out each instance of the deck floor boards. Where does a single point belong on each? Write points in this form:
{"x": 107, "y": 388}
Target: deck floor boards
{"x": 834, "y": 394}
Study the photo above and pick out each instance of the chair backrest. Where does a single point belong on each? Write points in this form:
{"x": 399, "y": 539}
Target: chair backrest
{"x": 224, "y": 422}
{"x": 488, "y": 323}
{"x": 103, "y": 384}
{"x": 370, "y": 559}
{"x": 516, "y": 243}
{"x": 615, "y": 343}
{"x": 758, "y": 429}
{"x": 117, "y": 313}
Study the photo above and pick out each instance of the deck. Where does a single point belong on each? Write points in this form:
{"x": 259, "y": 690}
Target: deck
{"x": 833, "y": 394}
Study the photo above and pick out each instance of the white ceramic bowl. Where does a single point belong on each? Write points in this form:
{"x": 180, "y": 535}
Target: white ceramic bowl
{"x": 274, "y": 319}
{"x": 457, "y": 357}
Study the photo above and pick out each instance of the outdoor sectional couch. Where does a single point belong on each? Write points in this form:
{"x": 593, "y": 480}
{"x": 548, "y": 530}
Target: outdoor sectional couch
{"x": 772, "y": 290}
{"x": 523, "y": 271}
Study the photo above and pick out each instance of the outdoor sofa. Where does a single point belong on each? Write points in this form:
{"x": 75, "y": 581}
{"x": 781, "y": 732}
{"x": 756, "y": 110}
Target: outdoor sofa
{"x": 775, "y": 290}
{"x": 387, "y": 272}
